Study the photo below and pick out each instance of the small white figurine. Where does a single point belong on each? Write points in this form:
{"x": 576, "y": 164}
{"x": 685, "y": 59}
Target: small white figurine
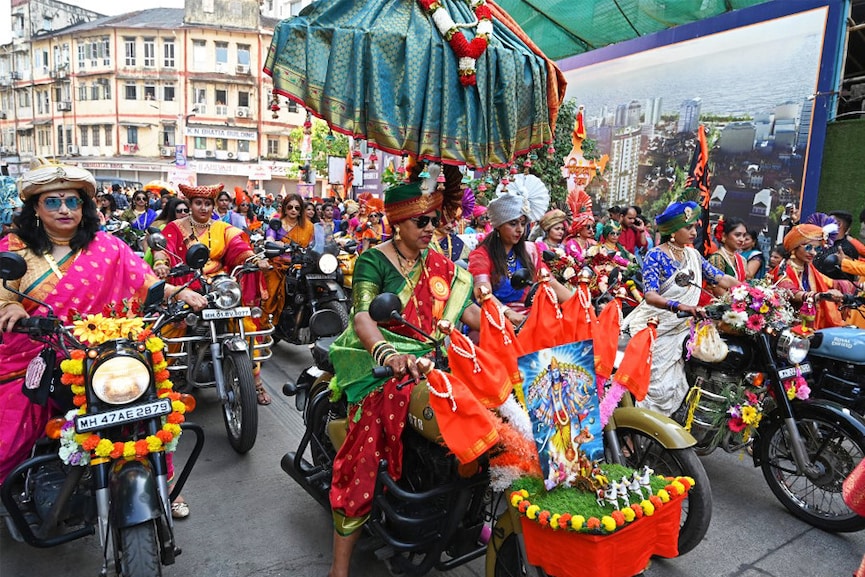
{"x": 635, "y": 487}
{"x": 623, "y": 491}
{"x": 645, "y": 479}
{"x": 611, "y": 495}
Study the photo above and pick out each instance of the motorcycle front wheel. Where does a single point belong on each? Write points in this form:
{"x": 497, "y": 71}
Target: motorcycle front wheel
{"x": 139, "y": 556}
{"x": 240, "y": 410}
{"x": 640, "y": 449}
{"x": 834, "y": 448}
{"x": 511, "y": 560}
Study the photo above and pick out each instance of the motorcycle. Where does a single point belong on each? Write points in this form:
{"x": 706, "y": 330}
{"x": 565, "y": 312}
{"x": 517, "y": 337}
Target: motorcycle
{"x": 347, "y": 256}
{"x": 434, "y": 518}
{"x": 217, "y": 350}
{"x": 66, "y": 490}
{"x": 313, "y": 287}
{"x": 805, "y": 448}
{"x": 837, "y": 362}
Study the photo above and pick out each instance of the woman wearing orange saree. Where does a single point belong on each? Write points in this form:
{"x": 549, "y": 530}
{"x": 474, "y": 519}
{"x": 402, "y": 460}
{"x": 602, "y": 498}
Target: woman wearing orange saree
{"x": 294, "y": 227}
{"x": 72, "y": 267}
{"x": 803, "y": 279}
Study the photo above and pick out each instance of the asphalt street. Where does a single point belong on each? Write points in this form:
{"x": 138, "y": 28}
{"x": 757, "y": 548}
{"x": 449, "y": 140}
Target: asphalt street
{"x": 250, "y": 519}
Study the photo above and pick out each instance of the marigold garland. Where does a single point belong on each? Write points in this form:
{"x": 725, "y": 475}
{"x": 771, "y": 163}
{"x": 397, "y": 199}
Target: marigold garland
{"x": 606, "y": 524}
{"x": 467, "y": 52}
{"x": 78, "y": 448}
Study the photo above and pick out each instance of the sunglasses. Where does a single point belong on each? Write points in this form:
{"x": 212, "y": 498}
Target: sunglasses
{"x": 53, "y": 203}
{"x": 182, "y": 210}
{"x": 137, "y": 198}
{"x": 423, "y": 221}
{"x": 292, "y": 207}
{"x": 244, "y": 204}
{"x": 810, "y": 248}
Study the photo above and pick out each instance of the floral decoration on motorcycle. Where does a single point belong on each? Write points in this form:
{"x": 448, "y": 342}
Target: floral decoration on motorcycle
{"x": 79, "y": 448}
{"x": 756, "y": 307}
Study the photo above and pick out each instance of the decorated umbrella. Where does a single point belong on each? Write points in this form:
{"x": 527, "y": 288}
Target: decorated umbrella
{"x": 158, "y": 185}
{"x": 382, "y": 70}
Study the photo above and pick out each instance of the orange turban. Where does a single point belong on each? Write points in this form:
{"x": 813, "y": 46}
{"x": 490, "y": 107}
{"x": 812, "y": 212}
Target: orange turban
{"x": 801, "y": 234}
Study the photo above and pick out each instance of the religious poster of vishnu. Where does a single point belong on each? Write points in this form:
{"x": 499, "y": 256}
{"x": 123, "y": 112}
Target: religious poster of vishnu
{"x": 562, "y": 402}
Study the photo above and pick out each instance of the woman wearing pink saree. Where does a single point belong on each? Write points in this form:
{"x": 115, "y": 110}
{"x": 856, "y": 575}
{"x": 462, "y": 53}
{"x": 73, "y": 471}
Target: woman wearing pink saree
{"x": 72, "y": 267}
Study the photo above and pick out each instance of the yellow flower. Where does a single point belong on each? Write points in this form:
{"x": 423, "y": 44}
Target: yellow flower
{"x": 764, "y": 309}
{"x": 532, "y": 512}
{"x": 608, "y": 523}
{"x": 516, "y": 499}
{"x": 791, "y": 392}
{"x": 129, "y": 449}
{"x": 178, "y": 407}
{"x": 554, "y": 521}
{"x": 171, "y": 428}
{"x": 72, "y": 366}
{"x": 628, "y": 514}
{"x": 153, "y": 443}
{"x": 104, "y": 448}
{"x": 155, "y": 344}
{"x": 679, "y": 487}
{"x": 133, "y": 326}
{"x": 664, "y": 496}
{"x": 648, "y": 507}
{"x": 749, "y": 414}
{"x": 92, "y": 328}
{"x": 577, "y": 522}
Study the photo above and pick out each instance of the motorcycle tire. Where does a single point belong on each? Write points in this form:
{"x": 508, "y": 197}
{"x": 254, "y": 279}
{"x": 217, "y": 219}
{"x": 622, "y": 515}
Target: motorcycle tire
{"x": 139, "y": 551}
{"x": 340, "y": 309}
{"x": 511, "y": 561}
{"x": 836, "y": 448}
{"x": 240, "y": 411}
{"x": 641, "y": 449}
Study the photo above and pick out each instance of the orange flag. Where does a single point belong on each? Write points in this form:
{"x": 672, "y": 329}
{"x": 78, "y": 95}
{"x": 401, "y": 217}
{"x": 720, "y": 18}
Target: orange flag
{"x": 579, "y": 318}
{"x": 606, "y": 339}
{"x": 544, "y": 327}
{"x": 483, "y": 373}
{"x": 635, "y": 371}
{"x": 467, "y": 428}
{"x": 498, "y": 339}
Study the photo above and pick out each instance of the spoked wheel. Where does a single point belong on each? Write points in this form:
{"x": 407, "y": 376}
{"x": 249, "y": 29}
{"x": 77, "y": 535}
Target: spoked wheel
{"x": 511, "y": 560}
{"x": 240, "y": 411}
{"x": 139, "y": 551}
{"x": 642, "y": 450}
{"x": 834, "y": 449}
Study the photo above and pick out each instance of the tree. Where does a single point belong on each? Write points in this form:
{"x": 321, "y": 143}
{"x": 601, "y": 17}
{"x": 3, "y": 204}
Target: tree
{"x": 324, "y": 143}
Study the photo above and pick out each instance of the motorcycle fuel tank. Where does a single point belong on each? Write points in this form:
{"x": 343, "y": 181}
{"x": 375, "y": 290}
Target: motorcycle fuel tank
{"x": 841, "y": 344}
{"x": 738, "y": 359}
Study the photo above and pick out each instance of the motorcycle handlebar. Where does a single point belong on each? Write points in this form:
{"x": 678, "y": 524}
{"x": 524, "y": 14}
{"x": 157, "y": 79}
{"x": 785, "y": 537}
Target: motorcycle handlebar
{"x": 382, "y": 372}
{"x": 36, "y": 326}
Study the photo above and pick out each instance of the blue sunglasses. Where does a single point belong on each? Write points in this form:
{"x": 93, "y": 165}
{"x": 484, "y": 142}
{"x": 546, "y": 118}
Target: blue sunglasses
{"x": 53, "y": 203}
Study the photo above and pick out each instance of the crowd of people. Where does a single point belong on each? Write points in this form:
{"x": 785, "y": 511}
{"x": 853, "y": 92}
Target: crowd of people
{"x": 439, "y": 263}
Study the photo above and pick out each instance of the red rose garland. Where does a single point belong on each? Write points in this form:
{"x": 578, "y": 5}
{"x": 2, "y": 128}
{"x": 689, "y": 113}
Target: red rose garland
{"x": 467, "y": 52}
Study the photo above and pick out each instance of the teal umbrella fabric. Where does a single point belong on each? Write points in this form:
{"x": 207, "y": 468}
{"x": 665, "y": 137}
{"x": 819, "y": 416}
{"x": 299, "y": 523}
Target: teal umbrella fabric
{"x": 381, "y": 71}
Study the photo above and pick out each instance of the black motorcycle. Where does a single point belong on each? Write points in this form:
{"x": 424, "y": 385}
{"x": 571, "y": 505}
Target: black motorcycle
{"x": 313, "y": 288}
{"x": 64, "y": 492}
{"x": 216, "y": 349}
{"x": 805, "y": 448}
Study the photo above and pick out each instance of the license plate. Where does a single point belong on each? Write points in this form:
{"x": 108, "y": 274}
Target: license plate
{"x": 217, "y": 314}
{"x": 804, "y": 368}
{"x": 86, "y": 423}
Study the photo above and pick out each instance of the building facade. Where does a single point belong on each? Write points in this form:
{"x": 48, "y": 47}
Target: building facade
{"x": 170, "y": 94}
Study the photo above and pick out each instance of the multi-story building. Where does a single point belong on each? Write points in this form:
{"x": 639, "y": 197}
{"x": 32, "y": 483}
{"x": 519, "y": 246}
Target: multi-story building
{"x": 175, "y": 94}
{"x": 738, "y": 138}
{"x": 689, "y": 115}
{"x": 624, "y": 165}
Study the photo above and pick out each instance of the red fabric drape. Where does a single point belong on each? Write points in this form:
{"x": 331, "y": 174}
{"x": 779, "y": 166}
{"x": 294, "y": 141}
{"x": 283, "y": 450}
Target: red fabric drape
{"x": 499, "y": 340}
{"x": 483, "y": 373}
{"x": 606, "y": 339}
{"x": 579, "y": 319}
{"x": 636, "y": 369}
{"x": 544, "y": 327}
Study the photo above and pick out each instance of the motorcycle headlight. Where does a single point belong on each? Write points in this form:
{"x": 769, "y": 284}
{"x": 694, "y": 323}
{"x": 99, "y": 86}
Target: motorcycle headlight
{"x": 227, "y": 293}
{"x": 792, "y": 347}
{"x": 327, "y": 264}
{"x": 120, "y": 380}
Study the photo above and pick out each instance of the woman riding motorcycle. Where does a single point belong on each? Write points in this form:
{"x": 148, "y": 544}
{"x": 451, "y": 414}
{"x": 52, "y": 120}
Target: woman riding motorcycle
{"x": 228, "y": 249}
{"x": 664, "y": 298}
{"x": 431, "y": 288}
{"x": 72, "y": 267}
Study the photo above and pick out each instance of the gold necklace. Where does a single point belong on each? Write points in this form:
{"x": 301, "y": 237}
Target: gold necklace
{"x": 194, "y": 224}
{"x": 677, "y": 251}
{"x": 59, "y": 242}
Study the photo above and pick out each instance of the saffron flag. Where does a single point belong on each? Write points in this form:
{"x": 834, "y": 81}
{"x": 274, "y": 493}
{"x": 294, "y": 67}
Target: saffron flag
{"x": 348, "y": 180}
{"x": 698, "y": 178}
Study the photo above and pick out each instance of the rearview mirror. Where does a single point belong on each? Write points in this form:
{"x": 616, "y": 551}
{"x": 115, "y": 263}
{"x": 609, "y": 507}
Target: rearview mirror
{"x": 155, "y": 294}
{"x": 12, "y": 266}
{"x": 274, "y": 224}
{"x": 549, "y": 256}
{"x": 156, "y": 240}
{"x": 521, "y": 279}
{"x": 383, "y": 307}
{"x": 197, "y": 256}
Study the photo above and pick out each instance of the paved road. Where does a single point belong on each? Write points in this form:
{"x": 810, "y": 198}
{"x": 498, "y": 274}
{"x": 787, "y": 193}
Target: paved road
{"x": 249, "y": 519}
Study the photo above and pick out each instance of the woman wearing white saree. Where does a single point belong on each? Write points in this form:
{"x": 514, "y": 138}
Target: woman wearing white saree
{"x": 664, "y": 298}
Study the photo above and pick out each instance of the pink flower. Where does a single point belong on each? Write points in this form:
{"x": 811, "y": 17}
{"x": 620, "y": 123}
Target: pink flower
{"x": 803, "y": 391}
{"x": 752, "y": 398}
{"x": 739, "y": 306}
{"x": 755, "y": 323}
{"x": 736, "y": 424}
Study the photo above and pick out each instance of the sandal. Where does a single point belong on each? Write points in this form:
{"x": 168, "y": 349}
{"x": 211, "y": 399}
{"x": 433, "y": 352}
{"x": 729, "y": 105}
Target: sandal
{"x": 179, "y": 510}
{"x": 263, "y": 397}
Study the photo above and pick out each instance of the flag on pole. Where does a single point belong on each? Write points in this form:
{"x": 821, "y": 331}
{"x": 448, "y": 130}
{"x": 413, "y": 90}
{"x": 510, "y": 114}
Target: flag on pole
{"x": 348, "y": 180}
{"x": 698, "y": 178}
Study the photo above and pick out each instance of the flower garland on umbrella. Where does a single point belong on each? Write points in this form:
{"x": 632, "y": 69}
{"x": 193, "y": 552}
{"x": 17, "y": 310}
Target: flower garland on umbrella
{"x": 467, "y": 52}
{"x": 77, "y": 448}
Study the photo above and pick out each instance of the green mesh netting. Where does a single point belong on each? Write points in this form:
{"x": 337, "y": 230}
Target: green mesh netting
{"x": 564, "y": 28}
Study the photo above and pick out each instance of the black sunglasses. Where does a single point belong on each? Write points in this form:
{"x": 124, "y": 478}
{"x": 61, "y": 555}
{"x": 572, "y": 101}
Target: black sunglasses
{"x": 423, "y": 221}
{"x": 182, "y": 210}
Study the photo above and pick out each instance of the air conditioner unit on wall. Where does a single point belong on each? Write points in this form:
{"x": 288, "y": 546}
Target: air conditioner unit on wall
{"x": 242, "y": 69}
{"x": 230, "y": 155}
{"x": 166, "y": 151}
{"x": 72, "y": 150}
{"x": 209, "y": 154}
{"x": 64, "y": 106}
{"x": 242, "y": 112}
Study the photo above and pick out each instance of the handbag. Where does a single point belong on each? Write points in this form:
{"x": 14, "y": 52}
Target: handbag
{"x": 853, "y": 489}
{"x": 708, "y": 346}
{"x": 42, "y": 377}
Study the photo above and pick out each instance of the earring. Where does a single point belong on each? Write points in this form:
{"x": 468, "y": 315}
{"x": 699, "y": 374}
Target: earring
{"x": 38, "y": 222}
{"x": 396, "y": 235}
